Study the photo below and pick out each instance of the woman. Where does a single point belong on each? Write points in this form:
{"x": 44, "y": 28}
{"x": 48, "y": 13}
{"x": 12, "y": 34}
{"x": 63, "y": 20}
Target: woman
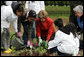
{"x": 44, "y": 27}
{"x": 79, "y": 13}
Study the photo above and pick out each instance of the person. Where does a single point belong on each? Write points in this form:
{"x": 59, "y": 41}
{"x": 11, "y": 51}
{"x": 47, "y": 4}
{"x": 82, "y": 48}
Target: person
{"x": 27, "y": 21}
{"x": 73, "y": 17}
{"x": 9, "y": 14}
{"x": 66, "y": 41}
{"x": 44, "y": 27}
{"x": 58, "y": 24}
{"x": 37, "y": 6}
{"x": 79, "y": 14}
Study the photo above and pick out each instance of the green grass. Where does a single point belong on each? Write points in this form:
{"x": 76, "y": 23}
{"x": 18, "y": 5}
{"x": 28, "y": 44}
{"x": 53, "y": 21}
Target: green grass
{"x": 58, "y": 11}
{"x": 55, "y": 12}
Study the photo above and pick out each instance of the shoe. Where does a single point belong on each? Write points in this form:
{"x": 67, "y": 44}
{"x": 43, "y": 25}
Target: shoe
{"x": 28, "y": 43}
{"x": 8, "y": 51}
{"x": 31, "y": 45}
{"x": 37, "y": 44}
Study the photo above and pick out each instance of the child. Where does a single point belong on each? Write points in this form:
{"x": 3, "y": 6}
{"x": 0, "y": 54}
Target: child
{"x": 44, "y": 27}
{"x": 37, "y": 6}
{"x": 66, "y": 41}
{"x": 27, "y": 22}
{"x": 9, "y": 13}
{"x": 58, "y": 24}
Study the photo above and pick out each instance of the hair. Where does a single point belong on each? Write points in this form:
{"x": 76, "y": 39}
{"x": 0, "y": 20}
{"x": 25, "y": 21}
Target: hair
{"x": 17, "y": 6}
{"x": 78, "y": 8}
{"x": 70, "y": 27}
{"x": 43, "y": 14}
{"x": 32, "y": 13}
{"x": 58, "y": 22}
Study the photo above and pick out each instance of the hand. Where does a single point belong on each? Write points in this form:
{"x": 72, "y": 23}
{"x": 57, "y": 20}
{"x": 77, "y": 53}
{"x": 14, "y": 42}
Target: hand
{"x": 19, "y": 34}
{"x": 40, "y": 41}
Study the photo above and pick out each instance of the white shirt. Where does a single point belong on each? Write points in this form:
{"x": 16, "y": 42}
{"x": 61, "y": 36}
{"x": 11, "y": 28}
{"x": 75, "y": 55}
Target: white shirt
{"x": 65, "y": 43}
{"x": 7, "y": 15}
{"x": 37, "y": 6}
{"x": 8, "y": 3}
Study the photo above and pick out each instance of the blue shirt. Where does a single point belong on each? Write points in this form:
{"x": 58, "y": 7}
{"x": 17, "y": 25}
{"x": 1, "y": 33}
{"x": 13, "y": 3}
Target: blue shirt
{"x": 80, "y": 23}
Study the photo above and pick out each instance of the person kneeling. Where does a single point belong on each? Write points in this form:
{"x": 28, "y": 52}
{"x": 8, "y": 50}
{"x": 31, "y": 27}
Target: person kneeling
{"x": 66, "y": 42}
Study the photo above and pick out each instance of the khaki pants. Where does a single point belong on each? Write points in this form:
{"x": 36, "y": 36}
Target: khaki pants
{"x": 5, "y": 38}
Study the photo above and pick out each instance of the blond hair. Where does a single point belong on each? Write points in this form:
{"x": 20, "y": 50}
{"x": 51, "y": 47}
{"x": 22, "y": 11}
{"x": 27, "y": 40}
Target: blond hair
{"x": 43, "y": 14}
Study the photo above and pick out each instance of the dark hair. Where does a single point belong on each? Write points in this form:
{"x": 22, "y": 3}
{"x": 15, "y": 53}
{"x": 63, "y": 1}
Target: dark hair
{"x": 17, "y": 6}
{"x": 3, "y": 3}
{"x": 58, "y": 22}
{"x": 70, "y": 27}
{"x": 32, "y": 13}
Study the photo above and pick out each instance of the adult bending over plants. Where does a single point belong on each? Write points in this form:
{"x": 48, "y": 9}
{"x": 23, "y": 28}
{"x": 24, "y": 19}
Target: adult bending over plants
{"x": 44, "y": 27}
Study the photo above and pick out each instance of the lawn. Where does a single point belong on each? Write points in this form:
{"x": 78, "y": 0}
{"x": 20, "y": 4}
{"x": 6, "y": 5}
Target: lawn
{"x": 54, "y": 12}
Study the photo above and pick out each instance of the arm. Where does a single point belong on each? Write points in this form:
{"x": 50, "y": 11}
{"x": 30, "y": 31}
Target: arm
{"x": 19, "y": 24}
{"x": 14, "y": 23}
{"x": 38, "y": 31}
{"x": 55, "y": 42}
{"x": 50, "y": 31}
{"x": 80, "y": 23}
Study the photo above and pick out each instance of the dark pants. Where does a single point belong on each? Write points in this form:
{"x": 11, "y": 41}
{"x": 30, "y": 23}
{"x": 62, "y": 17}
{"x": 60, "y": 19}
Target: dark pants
{"x": 25, "y": 34}
{"x": 81, "y": 41}
{"x": 52, "y": 50}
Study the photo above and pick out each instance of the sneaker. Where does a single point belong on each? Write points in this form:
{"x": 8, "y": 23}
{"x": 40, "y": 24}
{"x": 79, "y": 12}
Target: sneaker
{"x": 8, "y": 51}
{"x": 31, "y": 45}
{"x": 28, "y": 43}
{"x": 37, "y": 44}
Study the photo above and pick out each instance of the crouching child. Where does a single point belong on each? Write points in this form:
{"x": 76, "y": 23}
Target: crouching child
{"x": 66, "y": 42}
{"x": 27, "y": 22}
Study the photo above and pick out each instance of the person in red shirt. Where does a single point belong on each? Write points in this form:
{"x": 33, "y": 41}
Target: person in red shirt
{"x": 44, "y": 27}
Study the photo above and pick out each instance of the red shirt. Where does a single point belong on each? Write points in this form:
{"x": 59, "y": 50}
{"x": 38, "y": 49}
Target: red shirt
{"x": 45, "y": 29}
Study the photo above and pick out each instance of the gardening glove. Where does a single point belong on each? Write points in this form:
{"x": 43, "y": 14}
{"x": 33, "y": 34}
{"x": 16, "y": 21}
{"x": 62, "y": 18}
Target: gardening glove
{"x": 40, "y": 41}
{"x": 19, "y": 34}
